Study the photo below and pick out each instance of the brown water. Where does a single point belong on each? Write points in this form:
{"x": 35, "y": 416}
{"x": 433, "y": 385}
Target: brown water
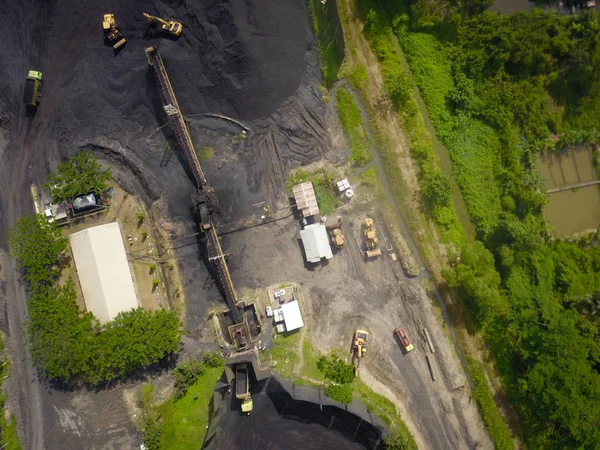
{"x": 571, "y": 210}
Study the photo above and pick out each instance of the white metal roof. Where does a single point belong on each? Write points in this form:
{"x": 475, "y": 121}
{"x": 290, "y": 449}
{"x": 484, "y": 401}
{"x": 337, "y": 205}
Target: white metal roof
{"x": 292, "y": 316}
{"x": 306, "y": 200}
{"x": 103, "y": 271}
{"x": 316, "y": 242}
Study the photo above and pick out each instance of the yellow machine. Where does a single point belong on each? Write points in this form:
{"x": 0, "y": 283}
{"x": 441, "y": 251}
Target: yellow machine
{"x": 359, "y": 347}
{"x": 337, "y": 237}
{"x": 109, "y": 24}
{"x": 370, "y": 233}
{"x": 169, "y": 26}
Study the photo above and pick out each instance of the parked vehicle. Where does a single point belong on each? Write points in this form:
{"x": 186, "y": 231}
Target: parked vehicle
{"x": 404, "y": 339}
{"x": 86, "y": 202}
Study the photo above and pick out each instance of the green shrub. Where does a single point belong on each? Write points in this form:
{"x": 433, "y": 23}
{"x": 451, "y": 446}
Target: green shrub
{"x": 335, "y": 369}
{"x": 339, "y": 392}
{"x": 185, "y": 375}
{"x": 78, "y": 175}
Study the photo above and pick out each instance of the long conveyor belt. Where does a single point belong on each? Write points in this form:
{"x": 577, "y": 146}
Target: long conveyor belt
{"x": 177, "y": 122}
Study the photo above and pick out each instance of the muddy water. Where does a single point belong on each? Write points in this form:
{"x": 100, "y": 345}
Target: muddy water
{"x": 572, "y": 210}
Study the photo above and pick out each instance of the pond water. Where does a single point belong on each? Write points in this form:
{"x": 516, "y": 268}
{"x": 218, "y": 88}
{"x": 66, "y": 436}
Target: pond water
{"x": 575, "y": 209}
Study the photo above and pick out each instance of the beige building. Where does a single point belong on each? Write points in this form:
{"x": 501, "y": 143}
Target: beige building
{"x": 103, "y": 271}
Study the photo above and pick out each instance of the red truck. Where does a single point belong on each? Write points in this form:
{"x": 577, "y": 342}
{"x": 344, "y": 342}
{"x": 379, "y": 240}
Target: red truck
{"x": 401, "y": 333}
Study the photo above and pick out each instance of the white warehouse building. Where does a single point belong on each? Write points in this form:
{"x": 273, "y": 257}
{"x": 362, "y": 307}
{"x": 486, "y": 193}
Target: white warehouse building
{"x": 103, "y": 271}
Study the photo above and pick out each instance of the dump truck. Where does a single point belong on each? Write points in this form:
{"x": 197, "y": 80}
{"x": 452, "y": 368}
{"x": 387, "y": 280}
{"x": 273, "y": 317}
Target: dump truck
{"x": 242, "y": 387}
{"x": 359, "y": 347}
{"x": 168, "y": 26}
{"x": 112, "y": 33}
{"x": 33, "y": 88}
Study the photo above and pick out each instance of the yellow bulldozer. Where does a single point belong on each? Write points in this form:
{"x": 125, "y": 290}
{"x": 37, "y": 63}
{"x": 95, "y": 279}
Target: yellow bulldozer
{"x": 112, "y": 33}
{"x": 359, "y": 348}
{"x": 337, "y": 237}
{"x": 370, "y": 233}
{"x": 168, "y": 26}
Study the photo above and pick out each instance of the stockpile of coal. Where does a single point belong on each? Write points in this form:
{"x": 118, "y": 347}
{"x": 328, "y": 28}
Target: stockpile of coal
{"x": 285, "y": 419}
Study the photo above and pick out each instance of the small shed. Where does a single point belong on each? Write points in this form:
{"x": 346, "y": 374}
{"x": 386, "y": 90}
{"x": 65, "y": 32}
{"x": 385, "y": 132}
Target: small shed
{"x": 292, "y": 317}
{"x": 316, "y": 242}
{"x": 306, "y": 200}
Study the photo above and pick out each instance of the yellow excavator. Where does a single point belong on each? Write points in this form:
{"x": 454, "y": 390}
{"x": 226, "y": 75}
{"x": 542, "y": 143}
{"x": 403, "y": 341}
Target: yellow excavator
{"x": 359, "y": 348}
{"x": 169, "y": 26}
{"x": 109, "y": 24}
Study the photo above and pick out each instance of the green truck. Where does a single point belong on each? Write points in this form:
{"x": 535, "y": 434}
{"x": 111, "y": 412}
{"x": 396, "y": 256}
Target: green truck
{"x": 33, "y": 88}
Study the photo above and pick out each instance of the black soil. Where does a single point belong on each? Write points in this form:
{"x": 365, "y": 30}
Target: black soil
{"x": 281, "y": 421}
{"x": 251, "y": 60}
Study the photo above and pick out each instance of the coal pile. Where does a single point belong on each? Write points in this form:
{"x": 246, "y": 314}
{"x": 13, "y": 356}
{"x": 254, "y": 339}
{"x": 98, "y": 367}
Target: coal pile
{"x": 288, "y": 417}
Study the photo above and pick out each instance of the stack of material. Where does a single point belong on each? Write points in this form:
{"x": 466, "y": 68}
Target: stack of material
{"x": 306, "y": 200}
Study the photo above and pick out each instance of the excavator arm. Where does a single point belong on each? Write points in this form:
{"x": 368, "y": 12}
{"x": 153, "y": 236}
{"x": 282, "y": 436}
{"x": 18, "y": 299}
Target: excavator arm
{"x": 153, "y": 19}
{"x": 170, "y": 26}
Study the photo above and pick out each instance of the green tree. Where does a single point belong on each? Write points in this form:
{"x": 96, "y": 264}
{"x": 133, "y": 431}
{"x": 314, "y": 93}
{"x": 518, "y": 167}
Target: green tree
{"x": 78, "y": 175}
{"x": 478, "y": 282}
{"x": 335, "y": 369}
{"x": 37, "y": 243}
{"x": 437, "y": 190}
{"x": 185, "y": 375}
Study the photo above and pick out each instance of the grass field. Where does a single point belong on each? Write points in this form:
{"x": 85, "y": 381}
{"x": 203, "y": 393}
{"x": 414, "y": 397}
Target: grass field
{"x": 182, "y": 423}
{"x": 351, "y": 119}
{"x": 325, "y": 28}
{"x": 8, "y": 425}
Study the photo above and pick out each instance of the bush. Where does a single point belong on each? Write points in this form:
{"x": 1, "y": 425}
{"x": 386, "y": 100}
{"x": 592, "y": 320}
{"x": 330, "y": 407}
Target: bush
{"x": 339, "y": 392}
{"x": 335, "y": 369}
{"x": 185, "y": 375}
{"x": 214, "y": 359}
{"x": 396, "y": 441}
{"x": 78, "y": 175}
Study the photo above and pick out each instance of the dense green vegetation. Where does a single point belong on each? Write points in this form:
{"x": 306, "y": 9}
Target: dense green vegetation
{"x": 351, "y": 119}
{"x": 180, "y": 422}
{"x": 78, "y": 175}
{"x": 67, "y": 344}
{"x": 499, "y": 89}
{"x": 329, "y": 38}
{"x": 436, "y": 187}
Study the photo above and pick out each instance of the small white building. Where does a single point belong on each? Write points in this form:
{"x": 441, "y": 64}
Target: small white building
{"x": 292, "y": 317}
{"x": 316, "y": 242}
{"x": 103, "y": 271}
